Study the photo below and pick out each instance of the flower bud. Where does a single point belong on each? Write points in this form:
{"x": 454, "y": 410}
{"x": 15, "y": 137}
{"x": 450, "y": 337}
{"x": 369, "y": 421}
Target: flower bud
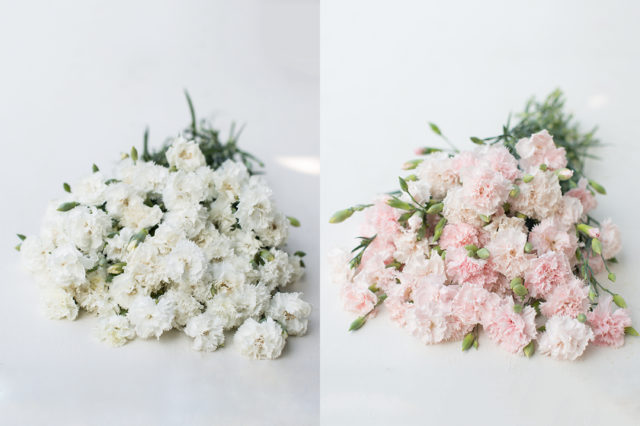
{"x": 521, "y": 216}
{"x": 65, "y": 207}
{"x": 341, "y": 216}
{"x": 543, "y": 167}
{"x": 527, "y": 178}
{"x": 564, "y": 174}
{"x": 426, "y": 150}
{"x": 517, "y": 308}
{"x": 592, "y": 295}
{"x": 515, "y": 191}
{"x": 435, "y": 208}
{"x": 530, "y": 349}
{"x": 483, "y": 253}
{"x": 528, "y": 247}
{"x": 357, "y": 323}
{"x": 612, "y": 277}
{"x": 399, "y": 204}
{"x": 587, "y": 230}
{"x": 618, "y": 300}
{"x": 411, "y": 178}
{"x": 485, "y": 218}
{"x": 516, "y": 281}
{"x": 631, "y": 331}
{"x": 411, "y": 164}
{"x": 116, "y": 268}
{"x": 467, "y": 341}
{"x": 596, "y": 246}
{"x": 581, "y": 317}
{"x": 520, "y": 290}
{"x": 266, "y": 255}
{"x": 437, "y": 231}
{"x": 597, "y": 187}
{"x": 293, "y": 221}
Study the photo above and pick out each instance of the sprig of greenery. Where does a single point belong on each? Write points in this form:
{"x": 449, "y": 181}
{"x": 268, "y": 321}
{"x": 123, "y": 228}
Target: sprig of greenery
{"x": 550, "y": 114}
{"x": 215, "y": 150}
{"x": 357, "y": 259}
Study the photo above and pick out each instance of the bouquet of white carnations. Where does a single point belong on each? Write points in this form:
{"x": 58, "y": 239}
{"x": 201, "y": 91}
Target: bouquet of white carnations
{"x": 500, "y": 238}
{"x": 187, "y": 237}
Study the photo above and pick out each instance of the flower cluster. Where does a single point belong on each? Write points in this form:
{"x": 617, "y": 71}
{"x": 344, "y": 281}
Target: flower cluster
{"x": 182, "y": 246}
{"x": 493, "y": 237}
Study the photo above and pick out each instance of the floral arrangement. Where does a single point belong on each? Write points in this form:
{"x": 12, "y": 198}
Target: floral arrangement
{"x": 187, "y": 237}
{"x": 499, "y": 237}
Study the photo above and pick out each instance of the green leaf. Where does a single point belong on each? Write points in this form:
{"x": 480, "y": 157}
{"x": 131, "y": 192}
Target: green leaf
{"x": 66, "y": 187}
{"x": 435, "y": 208}
{"x": 477, "y": 141}
{"x": 300, "y": 253}
{"x": 399, "y": 204}
{"x": 134, "y": 154}
{"x": 95, "y": 168}
{"x": 435, "y": 129}
{"x": 22, "y": 237}
{"x": 530, "y": 349}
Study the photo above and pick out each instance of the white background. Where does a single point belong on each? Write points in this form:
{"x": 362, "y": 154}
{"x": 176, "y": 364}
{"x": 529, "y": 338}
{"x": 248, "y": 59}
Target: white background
{"x": 79, "y": 81}
{"x": 387, "y": 68}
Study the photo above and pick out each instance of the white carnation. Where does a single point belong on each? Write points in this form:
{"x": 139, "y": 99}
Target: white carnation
{"x": 260, "y": 340}
{"x": 65, "y": 266}
{"x": 150, "y": 318}
{"x": 58, "y": 303}
{"x": 229, "y": 179}
{"x": 115, "y": 330}
{"x": 90, "y": 190}
{"x": 565, "y": 338}
{"x": 143, "y": 176}
{"x": 291, "y": 311}
{"x": 185, "y": 155}
{"x": 207, "y": 332}
{"x": 184, "y": 190}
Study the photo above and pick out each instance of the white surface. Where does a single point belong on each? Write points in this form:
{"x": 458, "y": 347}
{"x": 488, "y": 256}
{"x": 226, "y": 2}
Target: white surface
{"x": 387, "y": 68}
{"x": 79, "y": 82}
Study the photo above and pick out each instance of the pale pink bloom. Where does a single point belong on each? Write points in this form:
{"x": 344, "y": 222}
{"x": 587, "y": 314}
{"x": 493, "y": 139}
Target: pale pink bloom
{"x": 540, "y": 149}
{"x": 507, "y": 254}
{"x": 381, "y": 219}
{"x": 569, "y": 212}
{"x": 457, "y": 210}
{"x": 437, "y": 169}
{"x": 455, "y": 235}
{"x": 511, "y": 330}
{"x": 501, "y": 161}
{"x": 471, "y": 302}
{"x": 484, "y": 190}
{"x": 541, "y": 197}
{"x": 610, "y": 239}
{"x": 462, "y": 269}
{"x": 608, "y": 325}
{"x": 549, "y": 236}
{"x": 585, "y": 196}
{"x": 464, "y": 161}
{"x": 357, "y": 298}
{"x": 546, "y": 272}
{"x": 565, "y": 338}
{"x": 569, "y": 299}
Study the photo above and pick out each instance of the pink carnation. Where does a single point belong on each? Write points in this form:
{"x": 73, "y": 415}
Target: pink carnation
{"x": 507, "y": 252}
{"x": 568, "y": 299}
{"x": 471, "y": 302}
{"x": 509, "y": 329}
{"x": 548, "y": 235}
{"x": 381, "y": 221}
{"x": 501, "y": 161}
{"x": 608, "y": 326}
{"x": 456, "y": 235}
{"x": 462, "y": 269}
{"x": 485, "y": 190}
{"x": 584, "y": 195}
{"x": 465, "y": 160}
{"x": 547, "y": 272}
{"x": 540, "y": 149}
{"x": 610, "y": 239}
{"x": 357, "y": 298}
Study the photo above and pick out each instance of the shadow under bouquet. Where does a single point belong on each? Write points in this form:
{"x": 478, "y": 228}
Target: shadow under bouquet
{"x": 499, "y": 237}
{"x": 187, "y": 237}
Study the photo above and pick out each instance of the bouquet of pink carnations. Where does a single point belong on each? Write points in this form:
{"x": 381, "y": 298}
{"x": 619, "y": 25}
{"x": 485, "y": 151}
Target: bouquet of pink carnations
{"x": 499, "y": 238}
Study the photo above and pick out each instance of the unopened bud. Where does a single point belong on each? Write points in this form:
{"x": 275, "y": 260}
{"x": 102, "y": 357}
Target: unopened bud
{"x": 467, "y": 341}
{"x": 520, "y": 290}
{"x": 530, "y": 349}
{"x": 588, "y": 230}
{"x": 435, "y": 208}
{"x": 341, "y": 216}
{"x": 515, "y": 191}
{"x": 357, "y": 323}
{"x": 543, "y": 167}
{"x": 517, "y": 308}
{"x": 612, "y": 277}
{"x": 619, "y": 300}
{"x": 596, "y": 246}
{"x": 597, "y": 187}
{"x": 483, "y": 253}
{"x": 412, "y": 164}
{"x": 527, "y": 178}
{"x": 528, "y": 247}
{"x": 293, "y": 221}
{"x": 516, "y": 281}
{"x": 134, "y": 154}
{"x": 564, "y": 174}
{"x": 581, "y": 317}
{"x": 116, "y": 268}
